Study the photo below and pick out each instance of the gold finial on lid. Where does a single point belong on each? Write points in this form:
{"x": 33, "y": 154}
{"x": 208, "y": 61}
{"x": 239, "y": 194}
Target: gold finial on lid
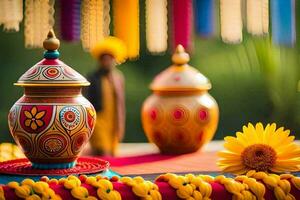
{"x": 180, "y": 57}
{"x": 51, "y": 43}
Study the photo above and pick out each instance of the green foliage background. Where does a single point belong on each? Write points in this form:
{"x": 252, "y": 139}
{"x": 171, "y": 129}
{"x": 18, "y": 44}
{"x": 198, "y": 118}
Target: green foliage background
{"x": 252, "y": 82}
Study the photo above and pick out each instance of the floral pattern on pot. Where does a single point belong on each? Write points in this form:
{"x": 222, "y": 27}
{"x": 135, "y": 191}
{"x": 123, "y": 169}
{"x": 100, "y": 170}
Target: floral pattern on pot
{"x": 35, "y": 119}
{"x": 55, "y": 133}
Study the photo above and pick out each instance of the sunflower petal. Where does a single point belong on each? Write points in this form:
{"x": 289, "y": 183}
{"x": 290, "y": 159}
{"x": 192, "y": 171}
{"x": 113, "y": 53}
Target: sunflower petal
{"x": 234, "y": 145}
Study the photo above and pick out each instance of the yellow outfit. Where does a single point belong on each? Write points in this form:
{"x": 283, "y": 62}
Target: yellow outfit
{"x": 105, "y": 138}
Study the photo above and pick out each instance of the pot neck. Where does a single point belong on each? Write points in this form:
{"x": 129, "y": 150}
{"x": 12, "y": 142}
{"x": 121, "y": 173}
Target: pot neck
{"x": 53, "y": 91}
{"x": 180, "y": 93}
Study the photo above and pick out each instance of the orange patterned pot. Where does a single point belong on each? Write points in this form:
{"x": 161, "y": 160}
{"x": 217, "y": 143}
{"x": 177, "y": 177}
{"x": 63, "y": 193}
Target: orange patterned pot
{"x": 180, "y": 116}
{"x": 52, "y": 121}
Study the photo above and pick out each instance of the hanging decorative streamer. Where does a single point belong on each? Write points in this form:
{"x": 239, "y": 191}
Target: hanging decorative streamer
{"x": 11, "y": 14}
{"x": 156, "y": 25}
{"x": 182, "y": 16}
{"x": 126, "y": 25}
{"x": 91, "y": 23}
{"x": 258, "y": 17}
{"x": 70, "y": 20}
{"x": 39, "y": 19}
{"x": 283, "y": 22}
{"x": 106, "y": 18}
{"x": 205, "y": 17}
{"x": 231, "y": 21}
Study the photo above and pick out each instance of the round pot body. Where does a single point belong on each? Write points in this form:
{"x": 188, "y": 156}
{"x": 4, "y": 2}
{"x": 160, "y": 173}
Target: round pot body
{"x": 52, "y": 125}
{"x": 180, "y": 122}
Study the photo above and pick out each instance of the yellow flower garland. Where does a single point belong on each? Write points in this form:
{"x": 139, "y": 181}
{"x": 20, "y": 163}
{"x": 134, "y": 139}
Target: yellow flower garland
{"x": 189, "y": 187}
{"x": 30, "y": 190}
{"x": 146, "y": 190}
{"x": 2, "y": 193}
{"x": 77, "y": 191}
{"x": 279, "y": 184}
{"x": 105, "y": 189}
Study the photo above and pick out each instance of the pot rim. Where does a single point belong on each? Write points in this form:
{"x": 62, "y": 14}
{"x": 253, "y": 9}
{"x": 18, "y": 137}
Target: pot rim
{"x": 23, "y": 84}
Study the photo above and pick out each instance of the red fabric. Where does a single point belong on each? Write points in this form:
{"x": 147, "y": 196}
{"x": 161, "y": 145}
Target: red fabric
{"x": 182, "y": 21}
{"x": 168, "y": 193}
{"x": 157, "y": 163}
{"x": 85, "y": 165}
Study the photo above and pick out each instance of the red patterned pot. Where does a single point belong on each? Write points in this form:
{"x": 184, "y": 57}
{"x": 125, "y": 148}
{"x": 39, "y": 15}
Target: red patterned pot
{"x": 180, "y": 116}
{"x": 52, "y": 121}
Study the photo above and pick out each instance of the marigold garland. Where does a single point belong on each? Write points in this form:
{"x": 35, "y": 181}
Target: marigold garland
{"x": 258, "y": 17}
{"x": 189, "y": 186}
{"x": 39, "y": 19}
{"x": 11, "y": 14}
{"x": 30, "y": 190}
{"x": 91, "y": 23}
{"x": 261, "y": 149}
{"x": 283, "y": 22}
{"x": 156, "y": 25}
{"x": 106, "y": 18}
{"x": 253, "y": 185}
{"x": 182, "y": 23}
{"x": 2, "y": 197}
{"x": 126, "y": 25}
{"x": 231, "y": 21}
{"x": 141, "y": 188}
{"x": 10, "y": 151}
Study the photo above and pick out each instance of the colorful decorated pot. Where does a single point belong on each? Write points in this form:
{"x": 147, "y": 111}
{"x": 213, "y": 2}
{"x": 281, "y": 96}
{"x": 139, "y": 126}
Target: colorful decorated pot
{"x": 180, "y": 116}
{"x": 52, "y": 121}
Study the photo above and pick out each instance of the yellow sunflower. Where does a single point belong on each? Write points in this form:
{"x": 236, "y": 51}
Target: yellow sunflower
{"x": 261, "y": 149}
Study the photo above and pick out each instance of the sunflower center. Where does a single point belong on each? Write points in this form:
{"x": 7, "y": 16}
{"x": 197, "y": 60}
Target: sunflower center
{"x": 259, "y": 157}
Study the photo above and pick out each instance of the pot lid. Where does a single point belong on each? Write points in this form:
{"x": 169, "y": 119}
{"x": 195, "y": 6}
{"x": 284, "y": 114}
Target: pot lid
{"x": 180, "y": 76}
{"x": 51, "y": 71}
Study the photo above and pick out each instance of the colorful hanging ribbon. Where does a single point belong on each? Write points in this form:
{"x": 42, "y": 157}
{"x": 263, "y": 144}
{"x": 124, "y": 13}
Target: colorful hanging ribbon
{"x": 126, "y": 24}
{"x": 205, "y": 17}
{"x": 70, "y": 20}
{"x": 182, "y": 15}
{"x": 258, "y": 17}
{"x": 156, "y": 25}
{"x": 283, "y": 22}
{"x": 91, "y": 23}
{"x": 231, "y": 21}
{"x": 11, "y": 14}
{"x": 38, "y": 21}
{"x": 106, "y": 18}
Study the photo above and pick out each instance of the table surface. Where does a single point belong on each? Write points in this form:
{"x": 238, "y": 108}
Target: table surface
{"x": 144, "y": 158}
{"x": 136, "y": 149}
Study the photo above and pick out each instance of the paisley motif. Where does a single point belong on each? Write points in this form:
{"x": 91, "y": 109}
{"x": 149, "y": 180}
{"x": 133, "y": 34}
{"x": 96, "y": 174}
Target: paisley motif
{"x": 12, "y": 118}
{"x": 25, "y": 144}
{"x": 79, "y": 141}
{"x": 91, "y": 117}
